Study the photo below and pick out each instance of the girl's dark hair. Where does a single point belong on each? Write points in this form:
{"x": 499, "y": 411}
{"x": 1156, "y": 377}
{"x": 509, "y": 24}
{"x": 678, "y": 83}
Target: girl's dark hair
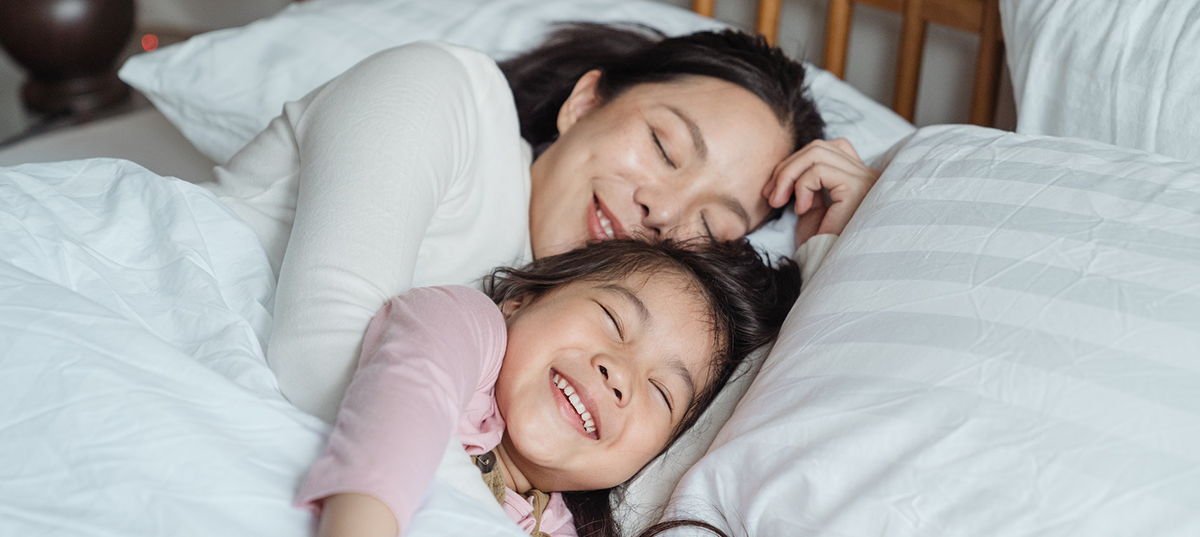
{"x": 627, "y": 55}
{"x": 747, "y": 301}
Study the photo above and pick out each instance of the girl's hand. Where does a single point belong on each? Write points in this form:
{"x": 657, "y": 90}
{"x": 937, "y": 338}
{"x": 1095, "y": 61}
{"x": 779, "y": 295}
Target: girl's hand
{"x": 829, "y": 168}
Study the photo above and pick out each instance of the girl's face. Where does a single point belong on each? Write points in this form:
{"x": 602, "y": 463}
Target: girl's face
{"x": 597, "y": 375}
{"x": 685, "y": 158}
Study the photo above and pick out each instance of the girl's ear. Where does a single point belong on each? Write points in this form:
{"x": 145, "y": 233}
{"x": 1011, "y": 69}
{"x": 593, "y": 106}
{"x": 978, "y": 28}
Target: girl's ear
{"x": 583, "y": 99}
{"x": 512, "y": 305}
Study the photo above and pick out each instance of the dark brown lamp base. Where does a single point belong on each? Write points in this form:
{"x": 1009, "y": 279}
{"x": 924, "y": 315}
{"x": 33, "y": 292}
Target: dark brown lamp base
{"x": 70, "y": 49}
{"x": 77, "y": 95}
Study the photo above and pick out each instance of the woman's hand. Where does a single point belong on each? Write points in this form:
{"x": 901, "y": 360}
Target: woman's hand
{"x": 824, "y": 170}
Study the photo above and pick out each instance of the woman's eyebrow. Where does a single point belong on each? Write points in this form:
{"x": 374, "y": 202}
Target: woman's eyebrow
{"x": 632, "y": 298}
{"x": 698, "y": 144}
{"x": 736, "y": 207}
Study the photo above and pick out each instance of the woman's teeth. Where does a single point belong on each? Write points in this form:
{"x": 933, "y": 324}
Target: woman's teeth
{"x": 569, "y": 391}
{"x": 605, "y": 223}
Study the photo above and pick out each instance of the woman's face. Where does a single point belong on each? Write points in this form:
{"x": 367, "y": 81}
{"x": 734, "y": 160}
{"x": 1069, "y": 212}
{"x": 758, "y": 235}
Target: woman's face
{"x": 596, "y": 376}
{"x": 683, "y": 159}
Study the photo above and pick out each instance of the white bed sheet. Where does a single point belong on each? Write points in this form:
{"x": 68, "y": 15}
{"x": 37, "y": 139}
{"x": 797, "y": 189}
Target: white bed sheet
{"x": 134, "y": 396}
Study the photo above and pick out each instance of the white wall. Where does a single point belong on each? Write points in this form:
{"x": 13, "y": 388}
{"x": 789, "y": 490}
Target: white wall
{"x": 944, "y": 96}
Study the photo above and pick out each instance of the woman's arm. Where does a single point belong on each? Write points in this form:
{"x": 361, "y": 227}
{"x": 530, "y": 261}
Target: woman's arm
{"x": 426, "y": 356}
{"x": 378, "y": 150}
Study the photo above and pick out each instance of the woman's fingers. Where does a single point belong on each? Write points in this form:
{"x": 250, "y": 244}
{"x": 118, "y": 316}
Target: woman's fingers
{"x": 846, "y": 147}
{"x": 832, "y": 167}
{"x": 837, "y": 153}
{"x": 846, "y": 190}
{"x": 809, "y": 222}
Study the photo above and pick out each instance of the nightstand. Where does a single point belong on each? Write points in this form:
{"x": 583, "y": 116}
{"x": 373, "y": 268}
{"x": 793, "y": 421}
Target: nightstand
{"x": 69, "y": 51}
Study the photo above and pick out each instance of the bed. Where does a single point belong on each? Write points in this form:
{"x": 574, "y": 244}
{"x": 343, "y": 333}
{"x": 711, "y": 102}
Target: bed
{"x": 1005, "y": 341}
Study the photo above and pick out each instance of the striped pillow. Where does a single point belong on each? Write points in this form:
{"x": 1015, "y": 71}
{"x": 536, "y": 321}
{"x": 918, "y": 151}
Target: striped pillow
{"x": 1005, "y": 342}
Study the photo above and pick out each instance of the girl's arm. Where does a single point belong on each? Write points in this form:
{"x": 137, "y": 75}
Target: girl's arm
{"x": 428, "y": 357}
{"x": 356, "y": 515}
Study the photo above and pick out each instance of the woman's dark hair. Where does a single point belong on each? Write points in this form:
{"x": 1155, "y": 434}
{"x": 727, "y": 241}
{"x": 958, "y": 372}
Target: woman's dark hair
{"x": 627, "y": 55}
{"x": 747, "y": 300}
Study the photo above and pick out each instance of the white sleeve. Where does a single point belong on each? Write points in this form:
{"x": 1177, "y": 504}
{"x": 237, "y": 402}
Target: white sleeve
{"x": 378, "y": 149}
{"x": 812, "y": 253}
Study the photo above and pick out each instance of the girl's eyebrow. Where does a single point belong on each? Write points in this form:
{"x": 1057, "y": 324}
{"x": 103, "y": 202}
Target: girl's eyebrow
{"x": 681, "y": 370}
{"x": 632, "y": 298}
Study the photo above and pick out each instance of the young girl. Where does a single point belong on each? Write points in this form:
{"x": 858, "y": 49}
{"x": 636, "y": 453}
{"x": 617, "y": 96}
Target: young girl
{"x": 564, "y": 381}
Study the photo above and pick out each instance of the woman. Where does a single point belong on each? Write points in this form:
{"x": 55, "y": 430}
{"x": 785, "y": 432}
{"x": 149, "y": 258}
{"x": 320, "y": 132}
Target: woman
{"x": 410, "y": 170}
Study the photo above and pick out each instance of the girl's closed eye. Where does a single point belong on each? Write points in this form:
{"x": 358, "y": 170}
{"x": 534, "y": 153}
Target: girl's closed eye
{"x": 665, "y": 394}
{"x": 616, "y": 323}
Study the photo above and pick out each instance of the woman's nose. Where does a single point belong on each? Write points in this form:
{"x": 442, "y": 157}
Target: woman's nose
{"x": 660, "y": 208}
{"x": 616, "y": 379}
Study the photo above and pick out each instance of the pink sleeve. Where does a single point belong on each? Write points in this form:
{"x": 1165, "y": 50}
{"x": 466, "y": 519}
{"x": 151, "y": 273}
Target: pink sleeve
{"x": 425, "y": 356}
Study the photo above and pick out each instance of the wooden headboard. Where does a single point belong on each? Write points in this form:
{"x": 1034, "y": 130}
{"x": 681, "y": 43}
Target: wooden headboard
{"x": 981, "y": 17}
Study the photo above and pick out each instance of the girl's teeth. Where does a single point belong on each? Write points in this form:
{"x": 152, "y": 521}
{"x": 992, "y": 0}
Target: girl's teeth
{"x": 589, "y": 425}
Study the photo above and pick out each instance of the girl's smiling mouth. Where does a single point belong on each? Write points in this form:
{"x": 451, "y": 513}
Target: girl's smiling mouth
{"x": 574, "y": 404}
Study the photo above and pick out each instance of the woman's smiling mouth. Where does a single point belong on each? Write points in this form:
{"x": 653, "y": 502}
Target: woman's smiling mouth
{"x": 602, "y": 224}
{"x": 574, "y": 404}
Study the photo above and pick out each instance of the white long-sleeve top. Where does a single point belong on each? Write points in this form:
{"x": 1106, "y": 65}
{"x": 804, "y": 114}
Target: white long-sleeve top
{"x": 407, "y": 170}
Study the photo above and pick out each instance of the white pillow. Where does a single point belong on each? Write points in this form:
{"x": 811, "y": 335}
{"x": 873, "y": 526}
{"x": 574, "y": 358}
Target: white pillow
{"x": 1126, "y": 72}
{"x": 1005, "y": 342}
{"x": 221, "y": 88}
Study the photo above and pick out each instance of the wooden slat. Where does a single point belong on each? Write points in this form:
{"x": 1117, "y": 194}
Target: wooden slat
{"x": 908, "y": 67}
{"x": 704, "y": 7}
{"x": 987, "y": 66}
{"x": 768, "y": 19}
{"x": 966, "y": 15}
{"x": 891, "y": 5}
{"x": 837, "y": 36}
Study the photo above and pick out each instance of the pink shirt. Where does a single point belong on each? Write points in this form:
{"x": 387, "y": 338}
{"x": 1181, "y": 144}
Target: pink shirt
{"x": 430, "y": 359}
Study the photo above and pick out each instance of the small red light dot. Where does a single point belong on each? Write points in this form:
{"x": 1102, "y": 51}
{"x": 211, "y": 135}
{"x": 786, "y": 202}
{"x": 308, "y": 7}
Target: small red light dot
{"x": 149, "y": 42}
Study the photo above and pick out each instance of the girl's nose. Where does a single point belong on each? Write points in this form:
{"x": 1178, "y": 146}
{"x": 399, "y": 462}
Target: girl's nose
{"x": 616, "y": 379}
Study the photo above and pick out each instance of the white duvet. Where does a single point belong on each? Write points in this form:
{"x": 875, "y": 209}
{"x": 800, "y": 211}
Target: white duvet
{"x": 134, "y": 397}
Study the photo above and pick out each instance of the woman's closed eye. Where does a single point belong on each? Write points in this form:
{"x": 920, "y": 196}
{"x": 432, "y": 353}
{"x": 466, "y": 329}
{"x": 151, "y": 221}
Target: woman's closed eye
{"x": 707, "y": 230}
{"x": 661, "y": 150}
